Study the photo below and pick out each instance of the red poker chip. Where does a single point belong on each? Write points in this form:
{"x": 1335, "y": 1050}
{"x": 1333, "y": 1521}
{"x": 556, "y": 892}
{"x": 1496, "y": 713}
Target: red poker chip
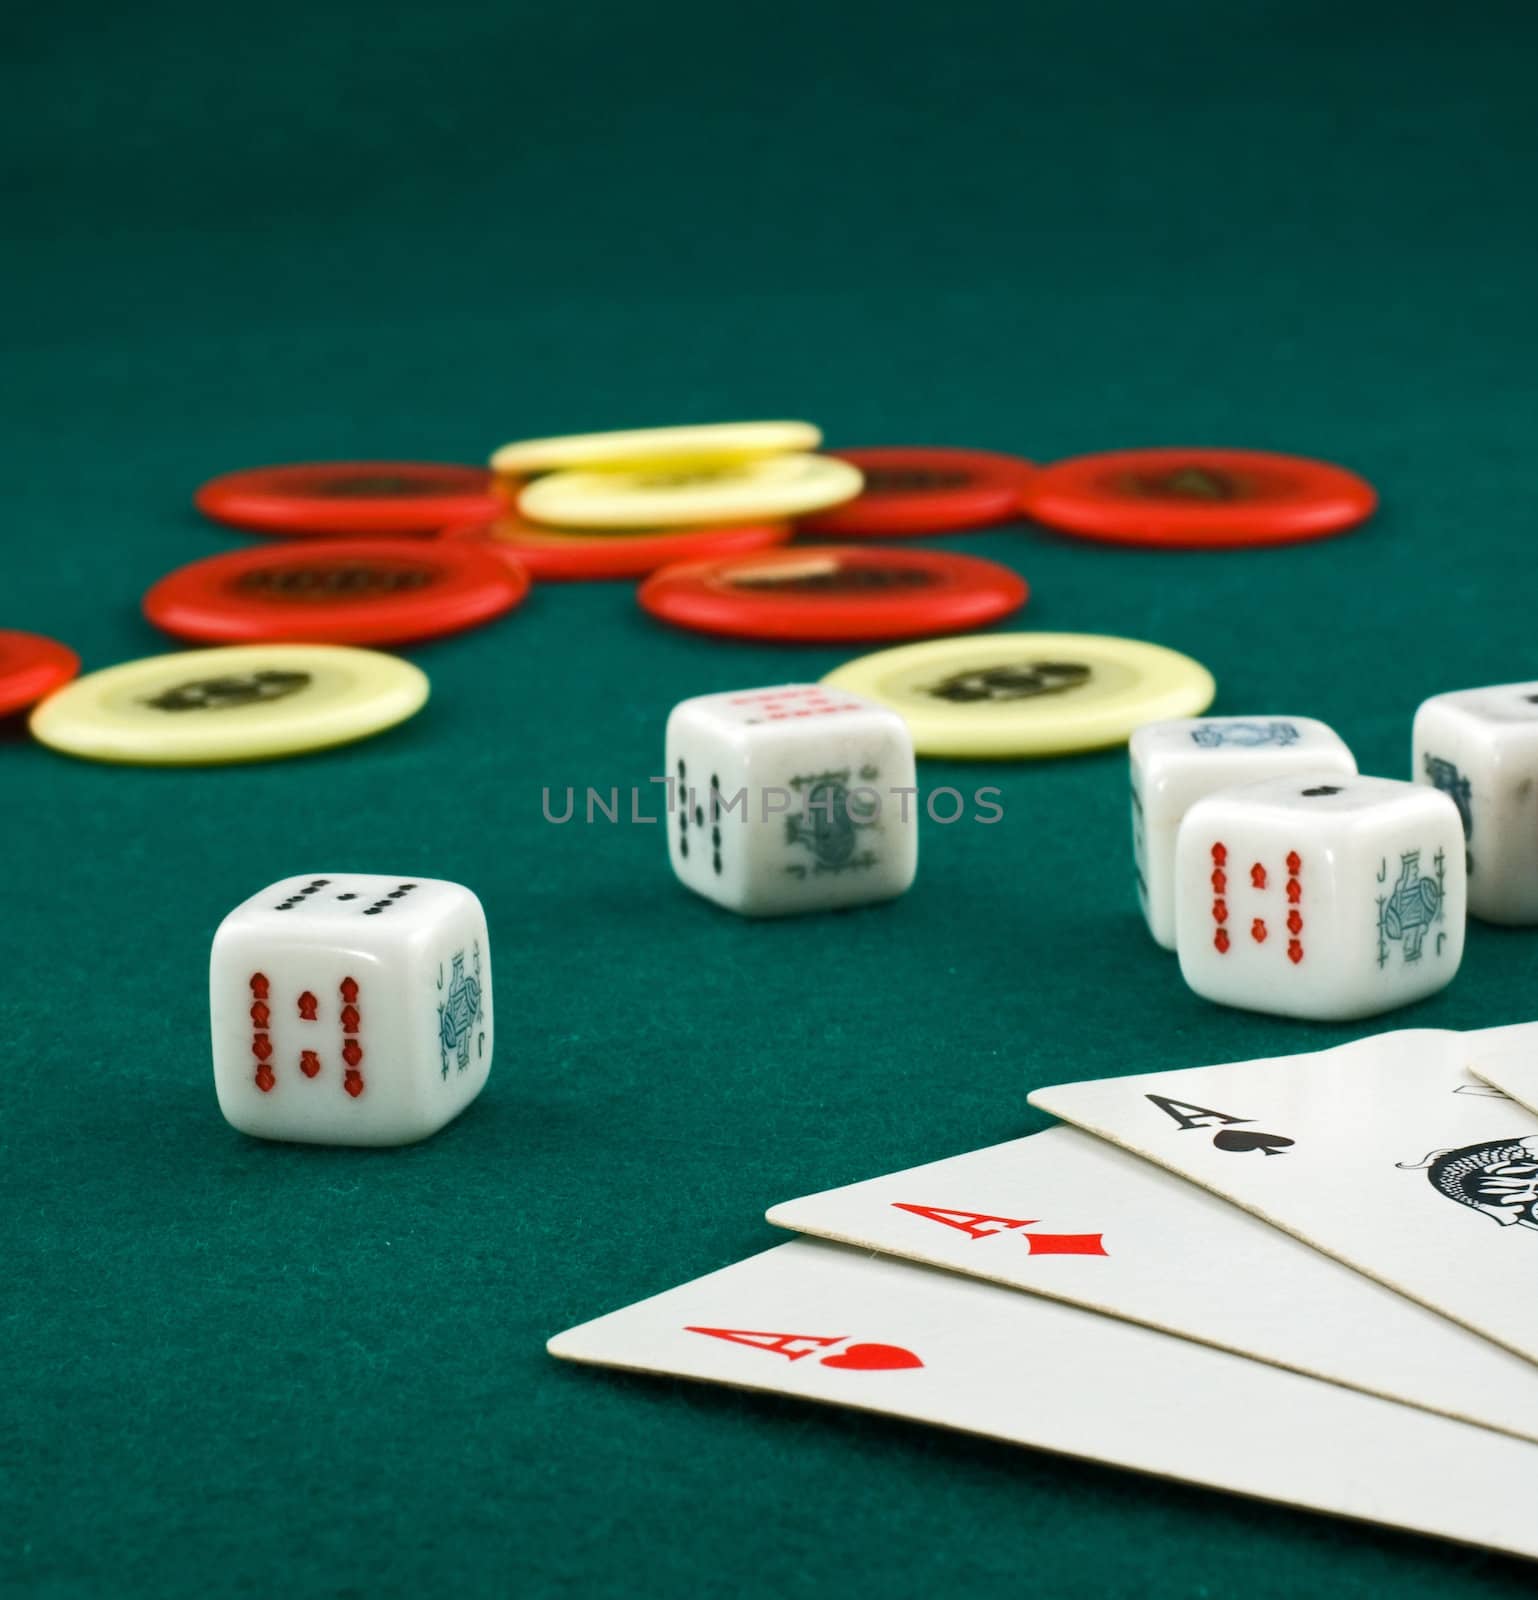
{"x": 340, "y": 591}
{"x": 834, "y": 592}
{"x": 336, "y": 498}
{"x": 1198, "y": 499}
{"x": 919, "y": 491}
{"x": 551, "y": 553}
{"x": 32, "y": 667}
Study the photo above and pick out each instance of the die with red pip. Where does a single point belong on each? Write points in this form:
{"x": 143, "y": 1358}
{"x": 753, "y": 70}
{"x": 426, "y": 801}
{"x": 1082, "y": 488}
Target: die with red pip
{"x": 1326, "y": 895}
{"x": 351, "y": 1009}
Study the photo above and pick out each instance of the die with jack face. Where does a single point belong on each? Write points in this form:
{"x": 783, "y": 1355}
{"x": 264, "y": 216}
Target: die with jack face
{"x": 1480, "y": 748}
{"x": 1178, "y": 762}
{"x": 351, "y": 1009}
{"x": 1324, "y": 897}
{"x": 796, "y": 798}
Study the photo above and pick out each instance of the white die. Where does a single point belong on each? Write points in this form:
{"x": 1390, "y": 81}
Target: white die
{"x": 351, "y": 1009}
{"x": 791, "y": 799}
{"x": 1480, "y": 747}
{"x": 1178, "y": 762}
{"x": 1329, "y": 899}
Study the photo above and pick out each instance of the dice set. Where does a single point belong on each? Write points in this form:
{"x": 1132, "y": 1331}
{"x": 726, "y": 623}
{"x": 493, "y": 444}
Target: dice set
{"x": 1176, "y": 763}
{"x": 1287, "y": 883}
{"x": 357, "y": 1010}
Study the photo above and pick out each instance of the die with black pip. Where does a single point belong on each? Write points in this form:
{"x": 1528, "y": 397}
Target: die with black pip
{"x": 351, "y": 1008}
{"x": 790, "y": 799}
{"x": 1320, "y": 895}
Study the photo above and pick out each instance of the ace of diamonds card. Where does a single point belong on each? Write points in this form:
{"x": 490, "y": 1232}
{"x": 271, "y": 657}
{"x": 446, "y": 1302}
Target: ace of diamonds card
{"x": 1071, "y": 1217}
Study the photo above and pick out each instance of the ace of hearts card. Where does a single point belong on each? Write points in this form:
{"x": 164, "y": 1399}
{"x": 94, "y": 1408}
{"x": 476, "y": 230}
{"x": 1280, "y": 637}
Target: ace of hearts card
{"x": 820, "y": 1321}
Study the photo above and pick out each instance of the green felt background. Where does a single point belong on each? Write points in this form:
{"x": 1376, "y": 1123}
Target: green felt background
{"x": 329, "y": 229}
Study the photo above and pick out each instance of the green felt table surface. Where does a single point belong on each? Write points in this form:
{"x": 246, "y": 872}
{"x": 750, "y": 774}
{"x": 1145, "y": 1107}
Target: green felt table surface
{"x": 330, "y": 230}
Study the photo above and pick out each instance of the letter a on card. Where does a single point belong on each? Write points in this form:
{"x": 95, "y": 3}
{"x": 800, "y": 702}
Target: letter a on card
{"x": 971, "y": 1223}
{"x": 976, "y": 1225}
{"x": 1192, "y": 1116}
{"x": 858, "y": 1357}
{"x": 790, "y": 1345}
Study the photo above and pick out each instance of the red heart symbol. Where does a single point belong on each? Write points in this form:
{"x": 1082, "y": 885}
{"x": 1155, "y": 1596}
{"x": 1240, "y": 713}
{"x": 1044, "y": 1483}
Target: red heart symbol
{"x": 873, "y": 1358}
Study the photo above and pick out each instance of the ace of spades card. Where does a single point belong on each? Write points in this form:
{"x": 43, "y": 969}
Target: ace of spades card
{"x": 1383, "y": 1154}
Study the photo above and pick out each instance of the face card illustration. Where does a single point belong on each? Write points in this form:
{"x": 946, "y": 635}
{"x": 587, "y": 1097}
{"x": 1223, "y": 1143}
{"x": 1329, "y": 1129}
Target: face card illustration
{"x": 1369, "y": 1152}
{"x": 833, "y": 822}
{"x": 1507, "y": 1059}
{"x": 1154, "y": 1249}
{"x": 822, "y": 1322}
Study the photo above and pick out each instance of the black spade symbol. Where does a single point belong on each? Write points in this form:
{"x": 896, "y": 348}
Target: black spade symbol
{"x": 1231, "y": 1139}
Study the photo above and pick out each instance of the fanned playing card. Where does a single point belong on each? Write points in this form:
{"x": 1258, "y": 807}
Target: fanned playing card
{"x": 1066, "y": 1215}
{"x": 822, "y": 1322}
{"x": 1386, "y": 1154}
{"x": 1507, "y": 1059}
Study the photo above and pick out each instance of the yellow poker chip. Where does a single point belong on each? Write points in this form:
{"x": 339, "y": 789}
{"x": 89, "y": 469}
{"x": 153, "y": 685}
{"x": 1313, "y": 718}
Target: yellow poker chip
{"x": 749, "y": 491}
{"x": 709, "y": 444}
{"x": 1002, "y": 696}
{"x": 244, "y": 703}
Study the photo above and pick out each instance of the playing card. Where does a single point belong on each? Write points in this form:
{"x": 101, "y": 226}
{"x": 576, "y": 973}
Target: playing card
{"x": 824, "y": 1322}
{"x": 1507, "y": 1059}
{"x": 1374, "y": 1153}
{"x": 1157, "y": 1250}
